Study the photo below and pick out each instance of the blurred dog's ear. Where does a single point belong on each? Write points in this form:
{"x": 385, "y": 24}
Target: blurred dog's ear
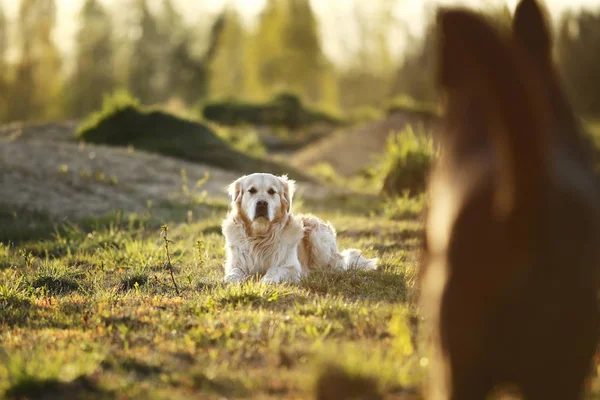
{"x": 530, "y": 28}
{"x": 235, "y": 190}
{"x": 289, "y": 187}
{"x": 477, "y": 59}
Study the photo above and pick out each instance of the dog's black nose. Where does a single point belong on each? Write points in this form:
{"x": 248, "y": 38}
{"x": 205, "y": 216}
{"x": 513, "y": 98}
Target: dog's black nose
{"x": 262, "y": 209}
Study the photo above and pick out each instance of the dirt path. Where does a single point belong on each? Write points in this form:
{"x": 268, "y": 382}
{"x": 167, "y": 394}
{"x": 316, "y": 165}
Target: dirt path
{"x": 350, "y": 150}
{"x": 41, "y": 169}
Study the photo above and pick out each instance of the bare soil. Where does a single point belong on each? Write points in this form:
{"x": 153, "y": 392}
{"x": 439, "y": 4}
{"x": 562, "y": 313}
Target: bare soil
{"x": 43, "y": 168}
{"x": 350, "y": 150}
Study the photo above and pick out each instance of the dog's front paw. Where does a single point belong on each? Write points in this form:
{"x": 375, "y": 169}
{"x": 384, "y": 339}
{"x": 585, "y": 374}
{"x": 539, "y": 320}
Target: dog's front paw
{"x": 232, "y": 278}
{"x": 270, "y": 280}
{"x": 276, "y": 278}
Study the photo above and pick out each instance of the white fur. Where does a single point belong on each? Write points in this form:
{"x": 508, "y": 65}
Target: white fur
{"x": 281, "y": 247}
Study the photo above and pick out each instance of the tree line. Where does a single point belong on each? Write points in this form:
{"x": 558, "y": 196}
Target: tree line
{"x": 159, "y": 58}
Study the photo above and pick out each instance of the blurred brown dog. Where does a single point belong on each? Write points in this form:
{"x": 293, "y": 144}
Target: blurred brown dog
{"x": 513, "y": 230}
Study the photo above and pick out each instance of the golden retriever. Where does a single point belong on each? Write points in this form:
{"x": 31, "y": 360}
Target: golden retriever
{"x": 264, "y": 237}
{"x": 512, "y": 244}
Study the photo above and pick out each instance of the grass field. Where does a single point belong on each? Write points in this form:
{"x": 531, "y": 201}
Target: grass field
{"x": 90, "y": 311}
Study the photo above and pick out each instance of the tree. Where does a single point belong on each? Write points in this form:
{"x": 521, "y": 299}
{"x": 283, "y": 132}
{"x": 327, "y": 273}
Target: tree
{"x": 416, "y": 76}
{"x": 94, "y": 74}
{"x": 304, "y": 58}
{"x": 227, "y": 68}
{"x": 288, "y": 48}
{"x": 143, "y": 74}
{"x": 366, "y": 76}
{"x": 37, "y": 81}
{"x": 174, "y": 38}
{"x": 4, "y": 71}
{"x": 269, "y": 44}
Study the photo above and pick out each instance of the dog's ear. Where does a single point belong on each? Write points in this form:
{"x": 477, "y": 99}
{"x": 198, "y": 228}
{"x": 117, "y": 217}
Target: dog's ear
{"x": 289, "y": 187}
{"x": 235, "y": 190}
{"x": 530, "y": 28}
{"x": 476, "y": 60}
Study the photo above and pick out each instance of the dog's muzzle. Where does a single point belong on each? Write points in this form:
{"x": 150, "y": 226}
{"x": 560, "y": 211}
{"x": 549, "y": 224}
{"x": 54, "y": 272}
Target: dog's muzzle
{"x": 262, "y": 209}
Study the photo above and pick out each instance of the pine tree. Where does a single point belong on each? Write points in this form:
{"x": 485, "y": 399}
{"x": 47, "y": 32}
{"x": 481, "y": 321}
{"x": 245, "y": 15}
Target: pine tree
{"x": 269, "y": 44}
{"x": 175, "y": 40}
{"x": 37, "y": 79}
{"x": 144, "y": 66}
{"x": 94, "y": 74}
{"x": 227, "y": 72}
{"x": 290, "y": 52}
{"x": 4, "y": 71}
{"x": 304, "y": 59}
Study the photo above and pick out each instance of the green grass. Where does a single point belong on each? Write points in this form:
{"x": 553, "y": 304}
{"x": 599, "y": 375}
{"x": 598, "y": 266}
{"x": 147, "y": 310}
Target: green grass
{"x": 90, "y": 311}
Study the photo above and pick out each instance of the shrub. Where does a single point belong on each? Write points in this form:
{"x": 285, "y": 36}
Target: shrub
{"x": 408, "y": 158}
{"x": 123, "y": 122}
{"x": 284, "y": 110}
{"x": 408, "y": 104}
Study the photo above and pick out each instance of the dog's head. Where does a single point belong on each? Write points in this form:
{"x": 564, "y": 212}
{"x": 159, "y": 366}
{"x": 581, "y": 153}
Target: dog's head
{"x": 262, "y": 198}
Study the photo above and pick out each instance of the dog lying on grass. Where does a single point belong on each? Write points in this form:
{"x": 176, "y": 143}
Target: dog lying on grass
{"x": 264, "y": 237}
{"x": 513, "y": 229}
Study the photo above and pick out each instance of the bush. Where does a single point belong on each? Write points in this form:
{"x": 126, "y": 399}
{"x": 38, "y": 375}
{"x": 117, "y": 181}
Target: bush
{"x": 123, "y": 122}
{"x": 244, "y": 139}
{"x": 285, "y": 110}
{"x": 407, "y": 163}
{"x": 408, "y": 104}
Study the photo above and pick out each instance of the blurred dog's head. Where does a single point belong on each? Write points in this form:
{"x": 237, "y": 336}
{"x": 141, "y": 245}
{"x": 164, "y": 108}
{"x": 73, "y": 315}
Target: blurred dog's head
{"x": 262, "y": 198}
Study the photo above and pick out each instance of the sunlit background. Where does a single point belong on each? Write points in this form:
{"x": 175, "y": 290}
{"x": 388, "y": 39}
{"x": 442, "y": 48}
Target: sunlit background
{"x": 122, "y": 123}
{"x": 338, "y": 54}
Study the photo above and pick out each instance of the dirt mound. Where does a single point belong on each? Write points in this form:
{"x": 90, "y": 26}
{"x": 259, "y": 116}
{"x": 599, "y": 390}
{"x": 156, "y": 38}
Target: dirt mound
{"x": 350, "y": 150}
{"x": 80, "y": 180}
{"x": 60, "y": 130}
{"x": 158, "y": 132}
{"x": 285, "y": 110}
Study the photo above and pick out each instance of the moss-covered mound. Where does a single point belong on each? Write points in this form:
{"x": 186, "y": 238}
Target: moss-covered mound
{"x": 124, "y": 123}
{"x": 285, "y": 110}
{"x": 419, "y": 109}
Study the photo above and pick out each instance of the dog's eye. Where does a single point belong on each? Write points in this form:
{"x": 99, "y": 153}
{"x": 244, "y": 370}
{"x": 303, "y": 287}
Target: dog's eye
{"x": 271, "y": 191}
{"x": 251, "y": 190}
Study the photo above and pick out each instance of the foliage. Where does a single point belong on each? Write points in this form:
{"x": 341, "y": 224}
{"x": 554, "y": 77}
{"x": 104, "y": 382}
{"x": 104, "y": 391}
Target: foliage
{"x": 123, "y": 122}
{"x": 94, "y": 60}
{"x": 578, "y": 46}
{"x": 416, "y": 74}
{"x": 288, "y": 49}
{"x": 366, "y": 74}
{"x": 4, "y": 69}
{"x": 243, "y": 139}
{"x": 405, "y": 103}
{"x": 407, "y": 162}
{"x": 284, "y": 110}
{"x": 37, "y": 75}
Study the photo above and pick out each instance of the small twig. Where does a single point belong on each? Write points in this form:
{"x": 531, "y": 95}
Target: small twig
{"x": 165, "y": 235}
{"x": 161, "y": 283}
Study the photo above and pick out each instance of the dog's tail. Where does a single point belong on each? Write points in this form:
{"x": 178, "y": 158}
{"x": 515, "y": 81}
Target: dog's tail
{"x": 353, "y": 259}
